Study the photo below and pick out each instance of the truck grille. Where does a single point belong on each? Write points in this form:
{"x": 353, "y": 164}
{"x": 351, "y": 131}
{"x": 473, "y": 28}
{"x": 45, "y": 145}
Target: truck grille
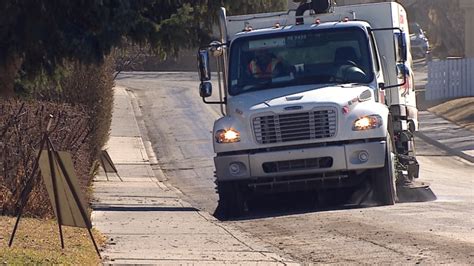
{"x": 315, "y": 124}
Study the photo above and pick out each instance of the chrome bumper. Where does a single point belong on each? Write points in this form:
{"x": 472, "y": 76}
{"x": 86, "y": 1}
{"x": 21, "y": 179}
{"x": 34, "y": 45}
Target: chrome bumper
{"x": 344, "y": 158}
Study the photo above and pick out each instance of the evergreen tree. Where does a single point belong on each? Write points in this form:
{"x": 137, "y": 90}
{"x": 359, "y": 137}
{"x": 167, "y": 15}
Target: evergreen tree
{"x": 40, "y": 34}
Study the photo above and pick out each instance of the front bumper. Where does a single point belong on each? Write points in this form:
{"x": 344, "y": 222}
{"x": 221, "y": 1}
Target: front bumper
{"x": 305, "y": 161}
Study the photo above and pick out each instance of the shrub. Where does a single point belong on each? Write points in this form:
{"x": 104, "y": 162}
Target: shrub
{"x": 90, "y": 86}
{"x": 81, "y": 99}
{"x": 21, "y": 132}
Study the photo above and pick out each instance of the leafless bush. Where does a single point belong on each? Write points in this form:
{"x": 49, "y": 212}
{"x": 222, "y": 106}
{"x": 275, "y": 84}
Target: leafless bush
{"x": 21, "y": 127}
{"x": 81, "y": 100}
{"x": 90, "y": 86}
{"x": 129, "y": 56}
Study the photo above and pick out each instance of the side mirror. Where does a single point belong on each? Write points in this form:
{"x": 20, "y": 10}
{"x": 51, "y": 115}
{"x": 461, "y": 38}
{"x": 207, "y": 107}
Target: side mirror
{"x": 401, "y": 47}
{"x": 204, "y": 65}
{"x": 205, "y": 89}
{"x": 402, "y": 70}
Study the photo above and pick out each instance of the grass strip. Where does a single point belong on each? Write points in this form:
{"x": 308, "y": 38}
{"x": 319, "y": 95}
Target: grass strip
{"x": 37, "y": 241}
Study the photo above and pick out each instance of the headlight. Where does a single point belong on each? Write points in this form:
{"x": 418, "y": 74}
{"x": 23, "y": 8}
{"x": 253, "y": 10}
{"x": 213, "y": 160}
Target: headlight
{"x": 227, "y": 136}
{"x": 367, "y": 122}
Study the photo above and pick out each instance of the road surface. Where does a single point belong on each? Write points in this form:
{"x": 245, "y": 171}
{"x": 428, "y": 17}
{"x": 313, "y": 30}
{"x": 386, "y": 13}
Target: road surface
{"x": 179, "y": 127}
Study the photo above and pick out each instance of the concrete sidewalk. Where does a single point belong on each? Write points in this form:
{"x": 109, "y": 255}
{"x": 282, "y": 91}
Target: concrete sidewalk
{"x": 436, "y": 130}
{"x": 145, "y": 220}
{"x": 442, "y": 133}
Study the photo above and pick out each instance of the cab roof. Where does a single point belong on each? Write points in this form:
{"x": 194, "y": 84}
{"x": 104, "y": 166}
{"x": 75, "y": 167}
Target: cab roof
{"x": 303, "y": 27}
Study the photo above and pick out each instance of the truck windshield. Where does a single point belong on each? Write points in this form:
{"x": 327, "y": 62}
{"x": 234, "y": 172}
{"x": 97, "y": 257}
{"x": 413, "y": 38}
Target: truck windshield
{"x": 333, "y": 56}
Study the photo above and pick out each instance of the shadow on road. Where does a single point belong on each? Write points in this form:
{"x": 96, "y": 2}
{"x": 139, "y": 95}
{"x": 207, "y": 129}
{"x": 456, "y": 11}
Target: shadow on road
{"x": 141, "y": 208}
{"x": 291, "y": 203}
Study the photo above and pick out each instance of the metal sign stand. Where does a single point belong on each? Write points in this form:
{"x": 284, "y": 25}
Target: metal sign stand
{"x": 108, "y": 165}
{"x": 53, "y": 157}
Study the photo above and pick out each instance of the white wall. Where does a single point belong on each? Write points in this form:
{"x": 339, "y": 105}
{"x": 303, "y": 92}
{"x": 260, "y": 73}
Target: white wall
{"x": 449, "y": 79}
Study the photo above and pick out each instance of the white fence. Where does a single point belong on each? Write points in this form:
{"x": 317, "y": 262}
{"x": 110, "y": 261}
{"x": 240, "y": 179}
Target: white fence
{"x": 451, "y": 78}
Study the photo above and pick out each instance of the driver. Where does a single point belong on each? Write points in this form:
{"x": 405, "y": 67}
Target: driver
{"x": 264, "y": 65}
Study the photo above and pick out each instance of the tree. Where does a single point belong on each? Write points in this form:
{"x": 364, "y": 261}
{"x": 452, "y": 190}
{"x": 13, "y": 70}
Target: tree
{"x": 443, "y": 21}
{"x": 251, "y": 6}
{"x": 444, "y": 24}
{"x": 40, "y": 34}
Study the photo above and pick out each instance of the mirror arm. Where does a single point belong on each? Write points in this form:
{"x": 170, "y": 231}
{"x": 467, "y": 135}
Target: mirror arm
{"x": 214, "y": 45}
{"x": 398, "y": 85}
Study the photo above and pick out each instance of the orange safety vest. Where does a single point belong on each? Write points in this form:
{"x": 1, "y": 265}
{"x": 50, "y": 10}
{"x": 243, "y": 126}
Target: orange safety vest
{"x": 267, "y": 73}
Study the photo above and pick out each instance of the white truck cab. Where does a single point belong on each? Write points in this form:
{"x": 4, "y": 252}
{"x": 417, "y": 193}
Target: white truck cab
{"x": 312, "y": 98}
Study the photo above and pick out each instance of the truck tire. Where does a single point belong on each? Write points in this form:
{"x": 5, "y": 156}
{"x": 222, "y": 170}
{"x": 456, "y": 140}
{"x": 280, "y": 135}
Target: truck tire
{"x": 231, "y": 200}
{"x": 384, "y": 178}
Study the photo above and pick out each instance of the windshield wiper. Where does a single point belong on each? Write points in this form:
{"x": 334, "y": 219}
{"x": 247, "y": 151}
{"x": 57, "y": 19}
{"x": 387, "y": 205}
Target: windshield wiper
{"x": 314, "y": 79}
{"x": 262, "y": 85}
{"x": 352, "y": 84}
{"x": 258, "y": 86}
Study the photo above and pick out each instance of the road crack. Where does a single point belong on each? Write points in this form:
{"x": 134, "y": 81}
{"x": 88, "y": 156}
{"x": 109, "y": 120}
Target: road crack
{"x": 264, "y": 253}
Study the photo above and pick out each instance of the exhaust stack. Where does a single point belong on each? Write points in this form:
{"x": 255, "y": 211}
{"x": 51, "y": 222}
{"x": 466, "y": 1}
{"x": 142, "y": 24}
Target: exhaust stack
{"x": 318, "y": 6}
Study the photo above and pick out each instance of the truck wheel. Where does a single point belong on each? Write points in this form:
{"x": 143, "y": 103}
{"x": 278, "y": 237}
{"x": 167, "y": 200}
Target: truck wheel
{"x": 384, "y": 178}
{"x": 231, "y": 200}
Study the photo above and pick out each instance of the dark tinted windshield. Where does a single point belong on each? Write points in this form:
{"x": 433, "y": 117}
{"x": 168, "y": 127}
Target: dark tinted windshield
{"x": 298, "y": 58}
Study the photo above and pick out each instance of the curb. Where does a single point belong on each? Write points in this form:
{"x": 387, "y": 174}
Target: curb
{"x": 444, "y": 147}
{"x": 153, "y": 160}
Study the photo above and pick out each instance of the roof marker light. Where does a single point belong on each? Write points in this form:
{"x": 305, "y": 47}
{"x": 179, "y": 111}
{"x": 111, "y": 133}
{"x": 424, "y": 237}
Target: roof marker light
{"x": 317, "y": 21}
{"x": 277, "y": 25}
{"x": 346, "y": 19}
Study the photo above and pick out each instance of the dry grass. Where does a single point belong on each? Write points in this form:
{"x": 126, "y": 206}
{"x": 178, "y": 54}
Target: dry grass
{"x": 459, "y": 111}
{"x": 37, "y": 241}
